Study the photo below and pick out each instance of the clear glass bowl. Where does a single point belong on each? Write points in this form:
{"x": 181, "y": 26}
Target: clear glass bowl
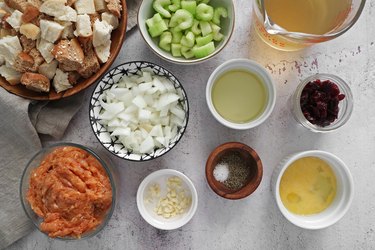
{"x": 345, "y": 106}
{"x": 35, "y": 162}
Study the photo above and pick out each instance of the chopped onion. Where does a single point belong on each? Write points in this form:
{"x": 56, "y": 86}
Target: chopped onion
{"x": 143, "y": 111}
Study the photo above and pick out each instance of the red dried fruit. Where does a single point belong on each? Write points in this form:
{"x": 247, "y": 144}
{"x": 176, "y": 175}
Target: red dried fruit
{"x": 320, "y": 102}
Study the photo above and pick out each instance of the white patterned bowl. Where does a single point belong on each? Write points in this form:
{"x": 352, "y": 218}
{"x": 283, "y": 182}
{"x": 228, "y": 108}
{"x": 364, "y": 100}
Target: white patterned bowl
{"x": 112, "y": 143}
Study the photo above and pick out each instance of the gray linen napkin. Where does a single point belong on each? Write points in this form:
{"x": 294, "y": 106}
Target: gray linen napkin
{"x": 20, "y": 122}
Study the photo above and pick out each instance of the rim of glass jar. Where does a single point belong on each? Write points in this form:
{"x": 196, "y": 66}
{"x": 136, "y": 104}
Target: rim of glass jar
{"x": 306, "y": 36}
{"x": 347, "y": 103}
{"x": 107, "y": 170}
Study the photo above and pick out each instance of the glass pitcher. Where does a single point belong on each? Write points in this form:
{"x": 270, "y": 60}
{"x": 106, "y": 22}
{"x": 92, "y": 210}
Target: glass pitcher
{"x": 282, "y": 39}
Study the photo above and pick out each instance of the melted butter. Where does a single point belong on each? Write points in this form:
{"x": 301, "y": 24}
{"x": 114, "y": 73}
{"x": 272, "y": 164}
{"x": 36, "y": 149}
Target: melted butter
{"x": 308, "y": 186}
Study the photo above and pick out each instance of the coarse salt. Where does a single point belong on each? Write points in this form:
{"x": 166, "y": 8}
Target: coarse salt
{"x": 221, "y": 172}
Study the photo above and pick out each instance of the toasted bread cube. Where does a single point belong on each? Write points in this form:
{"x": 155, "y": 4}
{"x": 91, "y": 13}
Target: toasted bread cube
{"x": 2, "y": 13}
{"x": 15, "y": 20}
{"x": 85, "y": 6}
{"x": 12, "y": 76}
{"x": 60, "y": 81}
{"x": 100, "y": 5}
{"x": 83, "y": 26}
{"x": 27, "y": 44}
{"x": 110, "y": 19}
{"x": 45, "y": 48}
{"x": 68, "y": 32}
{"x": 114, "y": 6}
{"x": 38, "y": 59}
{"x": 68, "y": 14}
{"x": 31, "y": 31}
{"x": 103, "y": 52}
{"x": 10, "y": 47}
{"x": 50, "y": 31}
{"x": 23, "y": 63}
{"x": 31, "y": 12}
{"x": 19, "y": 5}
{"x": 101, "y": 33}
{"x": 35, "y": 81}
{"x": 53, "y": 7}
{"x": 69, "y": 53}
{"x": 48, "y": 69}
{"x": 90, "y": 65}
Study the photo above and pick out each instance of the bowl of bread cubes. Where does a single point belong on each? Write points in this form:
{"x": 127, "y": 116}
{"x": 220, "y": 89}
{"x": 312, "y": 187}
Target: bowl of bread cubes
{"x": 50, "y": 49}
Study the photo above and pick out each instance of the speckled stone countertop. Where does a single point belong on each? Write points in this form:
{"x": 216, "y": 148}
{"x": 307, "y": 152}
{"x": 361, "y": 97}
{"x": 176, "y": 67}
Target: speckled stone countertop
{"x": 254, "y": 222}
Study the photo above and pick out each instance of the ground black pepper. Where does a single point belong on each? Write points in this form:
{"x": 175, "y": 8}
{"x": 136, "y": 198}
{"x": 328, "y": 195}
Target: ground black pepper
{"x": 239, "y": 170}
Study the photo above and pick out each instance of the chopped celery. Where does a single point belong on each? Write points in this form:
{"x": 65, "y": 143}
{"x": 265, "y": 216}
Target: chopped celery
{"x": 195, "y": 29}
{"x": 187, "y": 52}
{"x": 218, "y": 37}
{"x": 182, "y": 19}
{"x": 166, "y": 22}
{"x": 188, "y": 40}
{"x": 219, "y": 12}
{"x": 190, "y": 6}
{"x": 203, "y": 40}
{"x": 176, "y": 4}
{"x": 156, "y": 25}
{"x": 160, "y": 7}
{"x": 204, "y": 12}
{"x": 165, "y": 41}
{"x": 176, "y": 35}
{"x": 205, "y": 28}
{"x": 203, "y": 51}
{"x": 176, "y": 49}
{"x": 215, "y": 28}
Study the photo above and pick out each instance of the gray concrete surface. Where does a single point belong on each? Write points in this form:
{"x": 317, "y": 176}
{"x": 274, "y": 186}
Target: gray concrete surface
{"x": 255, "y": 222}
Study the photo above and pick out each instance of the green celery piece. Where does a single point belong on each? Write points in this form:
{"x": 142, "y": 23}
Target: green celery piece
{"x": 160, "y": 7}
{"x": 218, "y": 37}
{"x": 188, "y": 40}
{"x": 176, "y": 49}
{"x": 203, "y": 40}
{"x": 203, "y": 51}
{"x": 203, "y": 1}
{"x": 204, "y": 12}
{"x": 166, "y": 21}
{"x": 187, "y": 52}
{"x": 190, "y": 6}
{"x": 176, "y": 5}
{"x": 205, "y": 28}
{"x": 219, "y": 12}
{"x": 156, "y": 25}
{"x": 176, "y": 35}
{"x": 165, "y": 41}
{"x": 182, "y": 19}
{"x": 215, "y": 28}
{"x": 195, "y": 29}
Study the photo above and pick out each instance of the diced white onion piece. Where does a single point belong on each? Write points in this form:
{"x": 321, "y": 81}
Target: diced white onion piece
{"x": 144, "y": 114}
{"x": 178, "y": 112}
{"x": 159, "y": 85}
{"x": 147, "y": 145}
{"x": 157, "y": 131}
{"x": 121, "y": 131}
{"x": 113, "y": 108}
{"x": 140, "y": 102}
{"x": 167, "y": 99}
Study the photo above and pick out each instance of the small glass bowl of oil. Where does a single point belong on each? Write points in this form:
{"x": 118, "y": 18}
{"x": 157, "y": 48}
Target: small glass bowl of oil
{"x": 240, "y": 94}
{"x": 313, "y": 189}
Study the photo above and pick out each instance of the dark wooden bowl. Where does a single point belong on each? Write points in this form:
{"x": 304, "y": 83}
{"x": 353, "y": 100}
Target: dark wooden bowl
{"x": 117, "y": 37}
{"x": 250, "y": 157}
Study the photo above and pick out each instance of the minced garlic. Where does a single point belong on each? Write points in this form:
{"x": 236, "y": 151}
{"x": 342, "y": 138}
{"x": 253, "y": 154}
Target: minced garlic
{"x": 174, "y": 203}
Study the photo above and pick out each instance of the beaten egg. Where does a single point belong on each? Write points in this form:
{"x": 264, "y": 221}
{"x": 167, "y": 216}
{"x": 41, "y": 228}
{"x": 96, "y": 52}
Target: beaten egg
{"x": 308, "y": 186}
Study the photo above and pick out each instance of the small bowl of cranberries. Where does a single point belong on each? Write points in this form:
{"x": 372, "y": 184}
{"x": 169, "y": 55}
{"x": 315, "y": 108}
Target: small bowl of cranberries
{"x": 322, "y": 103}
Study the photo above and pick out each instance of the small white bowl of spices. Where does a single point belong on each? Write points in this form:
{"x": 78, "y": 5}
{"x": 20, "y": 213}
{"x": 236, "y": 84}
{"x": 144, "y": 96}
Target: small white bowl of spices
{"x": 234, "y": 170}
{"x": 167, "y": 199}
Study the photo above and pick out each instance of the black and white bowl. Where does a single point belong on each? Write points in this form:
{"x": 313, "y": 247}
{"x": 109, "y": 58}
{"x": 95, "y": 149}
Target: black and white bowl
{"x": 112, "y": 143}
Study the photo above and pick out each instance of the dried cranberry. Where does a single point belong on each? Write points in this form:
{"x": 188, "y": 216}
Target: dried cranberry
{"x": 320, "y": 102}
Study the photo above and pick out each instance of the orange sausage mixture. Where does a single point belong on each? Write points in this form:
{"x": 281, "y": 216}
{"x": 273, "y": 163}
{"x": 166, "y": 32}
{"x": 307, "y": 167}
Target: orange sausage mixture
{"x": 71, "y": 191}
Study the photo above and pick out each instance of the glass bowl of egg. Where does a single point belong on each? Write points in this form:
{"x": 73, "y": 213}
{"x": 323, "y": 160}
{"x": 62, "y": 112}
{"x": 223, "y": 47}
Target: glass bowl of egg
{"x": 313, "y": 189}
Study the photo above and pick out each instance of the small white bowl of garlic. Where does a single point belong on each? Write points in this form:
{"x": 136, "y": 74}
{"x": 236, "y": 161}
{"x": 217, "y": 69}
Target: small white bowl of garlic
{"x": 167, "y": 199}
